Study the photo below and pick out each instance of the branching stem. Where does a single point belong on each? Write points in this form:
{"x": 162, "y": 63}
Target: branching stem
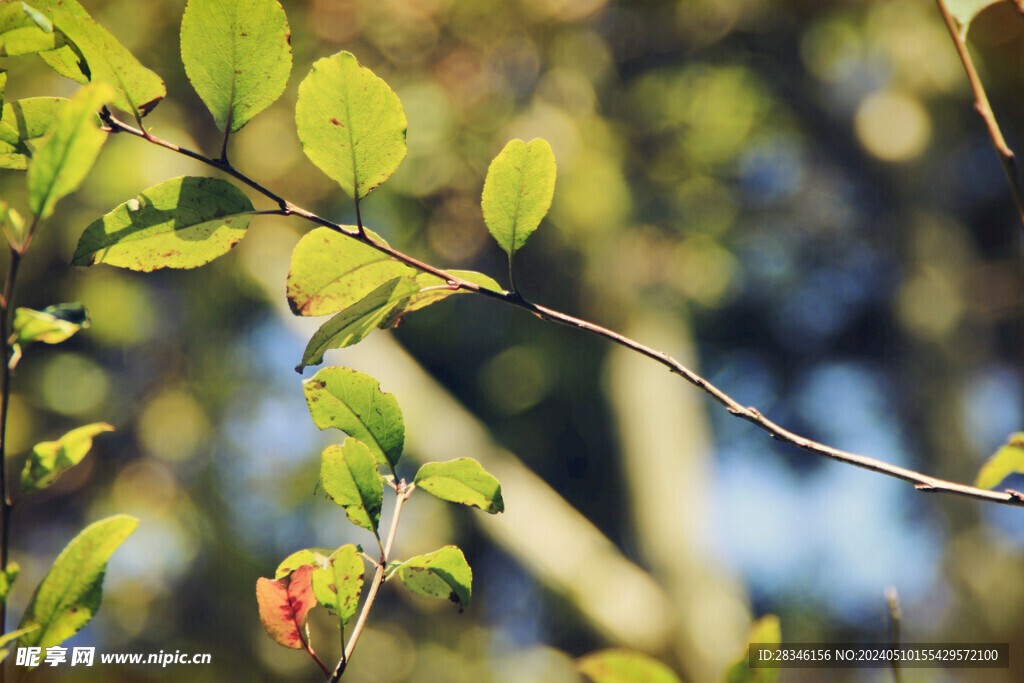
{"x": 402, "y": 494}
{"x": 921, "y": 482}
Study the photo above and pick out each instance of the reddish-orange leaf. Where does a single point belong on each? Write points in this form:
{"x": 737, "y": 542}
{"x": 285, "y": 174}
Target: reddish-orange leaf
{"x": 284, "y": 605}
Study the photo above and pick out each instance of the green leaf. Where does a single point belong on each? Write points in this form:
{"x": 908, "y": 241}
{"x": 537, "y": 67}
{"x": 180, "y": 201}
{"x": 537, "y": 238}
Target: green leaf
{"x": 14, "y": 226}
{"x": 358, "y": 320}
{"x": 350, "y": 123}
{"x": 183, "y": 222}
{"x": 443, "y": 573}
{"x": 765, "y": 631}
{"x": 349, "y": 475}
{"x": 64, "y": 60}
{"x": 284, "y": 605}
{"x": 24, "y": 30}
{"x": 966, "y": 10}
{"x": 619, "y": 665}
{"x": 50, "y": 459}
{"x": 517, "y": 192}
{"x": 329, "y": 272}
{"x": 11, "y": 637}
{"x": 67, "y": 153}
{"x": 313, "y": 557}
{"x": 21, "y": 122}
{"x": 353, "y": 402}
{"x": 461, "y": 481}
{"x": 71, "y": 592}
{"x": 7, "y": 579}
{"x": 1006, "y": 461}
{"x": 52, "y": 325}
{"x": 237, "y": 55}
{"x": 137, "y": 89}
{"x": 338, "y": 585}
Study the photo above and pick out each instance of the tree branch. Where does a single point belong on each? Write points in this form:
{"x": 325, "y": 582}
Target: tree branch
{"x": 921, "y": 482}
{"x": 984, "y": 109}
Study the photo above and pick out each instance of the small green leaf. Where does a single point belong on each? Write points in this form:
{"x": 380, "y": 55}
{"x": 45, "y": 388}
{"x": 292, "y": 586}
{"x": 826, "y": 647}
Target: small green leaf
{"x": 71, "y": 592}
{"x": 68, "y": 151}
{"x": 350, "y": 123}
{"x": 50, "y": 459}
{"x": 349, "y": 475}
{"x": 358, "y": 320}
{"x": 64, "y": 60}
{"x": 237, "y": 55}
{"x": 619, "y": 665}
{"x": 52, "y": 325}
{"x": 330, "y": 272}
{"x": 353, "y": 402}
{"x": 517, "y": 192}
{"x": 11, "y": 637}
{"x": 136, "y": 89}
{"x": 1006, "y": 461}
{"x": 7, "y": 579}
{"x": 462, "y": 481}
{"x": 339, "y": 585}
{"x": 183, "y": 222}
{"x": 314, "y": 557}
{"x": 37, "y": 17}
{"x": 284, "y": 605}
{"x": 443, "y": 573}
{"x": 765, "y": 631}
{"x": 21, "y": 122}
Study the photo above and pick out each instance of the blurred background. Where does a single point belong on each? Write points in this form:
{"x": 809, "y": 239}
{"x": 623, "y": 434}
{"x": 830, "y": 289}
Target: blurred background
{"x": 795, "y": 198}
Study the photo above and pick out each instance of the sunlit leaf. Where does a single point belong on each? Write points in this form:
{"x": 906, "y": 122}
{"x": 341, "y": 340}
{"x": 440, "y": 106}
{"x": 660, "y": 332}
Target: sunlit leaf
{"x": 64, "y": 60}
{"x": 443, "y": 573}
{"x": 351, "y": 123}
{"x": 353, "y": 402}
{"x": 330, "y": 272}
{"x": 71, "y": 592}
{"x": 461, "y": 481}
{"x": 136, "y": 89}
{"x": 24, "y": 30}
{"x": 313, "y": 557}
{"x": 517, "y": 192}
{"x": 348, "y": 474}
{"x": 7, "y": 579}
{"x": 619, "y": 665}
{"x": 1008, "y": 460}
{"x": 765, "y": 631}
{"x": 8, "y": 638}
{"x": 181, "y": 223}
{"x": 68, "y": 151}
{"x": 52, "y": 325}
{"x": 284, "y": 605}
{"x": 14, "y": 227}
{"x": 358, "y": 320}
{"x": 339, "y": 585}
{"x": 21, "y": 122}
{"x": 238, "y": 56}
{"x": 50, "y": 459}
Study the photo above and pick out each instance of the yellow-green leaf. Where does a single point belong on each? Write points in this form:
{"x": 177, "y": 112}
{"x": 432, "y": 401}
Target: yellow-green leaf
{"x": 1008, "y": 460}
{"x": 71, "y": 592}
{"x": 349, "y": 476}
{"x": 765, "y": 631}
{"x": 463, "y": 481}
{"x": 351, "y": 123}
{"x": 181, "y": 223}
{"x": 50, "y": 459}
{"x": 517, "y": 192}
{"x": 68, "y": 151}
{"x": 442, "y": 574}
{"x": 619, "y": 665}
{"x": 237, "y": 54}
{"x": 338, "y": 585}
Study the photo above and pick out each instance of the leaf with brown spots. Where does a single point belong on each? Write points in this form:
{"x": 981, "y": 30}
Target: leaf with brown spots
{"x": 339, "y": 585}
{"x": 284, "y": 605}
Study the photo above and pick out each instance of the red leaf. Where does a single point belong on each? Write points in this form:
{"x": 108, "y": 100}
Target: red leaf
{"x": 284, "y": 605}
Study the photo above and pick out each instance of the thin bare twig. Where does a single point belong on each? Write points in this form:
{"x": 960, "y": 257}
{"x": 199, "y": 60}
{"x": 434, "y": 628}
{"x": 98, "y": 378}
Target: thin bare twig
{"x": 921, "y": 482}
{"x": 5, "y": 401}
{"x": 892, "y": 599}
{"x": 984, "y": 109}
